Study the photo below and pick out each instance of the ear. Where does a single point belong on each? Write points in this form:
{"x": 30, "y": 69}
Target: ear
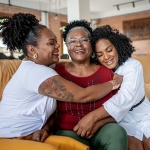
{"x": 31, "y": 49}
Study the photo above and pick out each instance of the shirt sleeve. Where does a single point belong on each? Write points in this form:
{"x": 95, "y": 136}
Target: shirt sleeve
{"x": 130, "y": 92}
{"x": 35, "y": 75}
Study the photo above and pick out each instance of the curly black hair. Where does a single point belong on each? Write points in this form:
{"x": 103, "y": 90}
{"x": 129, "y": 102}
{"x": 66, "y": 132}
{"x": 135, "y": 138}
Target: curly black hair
{"x": 76, "y": 23}
{"x": 120, "y": 41}
{"x": 19, "y": 31}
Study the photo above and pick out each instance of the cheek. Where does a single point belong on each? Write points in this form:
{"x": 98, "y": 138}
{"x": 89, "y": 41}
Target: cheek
{"x": 100, "y": 59}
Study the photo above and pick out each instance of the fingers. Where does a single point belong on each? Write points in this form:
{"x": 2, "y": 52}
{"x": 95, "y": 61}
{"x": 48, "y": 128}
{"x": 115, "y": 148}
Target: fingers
{"x": 44, "y": 136}
{"x": 36, "y": 137}
{"x": 81, "y": 132}
{"x": 116, "y": 87}
{"x": 40, "y": 135}
{"x": 76, "y": 128}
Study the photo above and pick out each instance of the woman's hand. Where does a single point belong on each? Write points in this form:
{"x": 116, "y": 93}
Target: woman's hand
{"x": 40, "y": 135}
{"x": 47, "y": 129}
{"x": 117, "y": 80}
{"x": 85, "y": 125}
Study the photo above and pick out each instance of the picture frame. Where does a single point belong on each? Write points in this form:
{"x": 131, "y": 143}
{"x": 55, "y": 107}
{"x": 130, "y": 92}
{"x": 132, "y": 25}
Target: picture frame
{"x": 137, "y": 29}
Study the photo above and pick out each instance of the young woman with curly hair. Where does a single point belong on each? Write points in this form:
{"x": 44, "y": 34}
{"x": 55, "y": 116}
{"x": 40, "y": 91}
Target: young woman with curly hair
{"x": 29, "y": 98}
{"x": 129, "y": 107}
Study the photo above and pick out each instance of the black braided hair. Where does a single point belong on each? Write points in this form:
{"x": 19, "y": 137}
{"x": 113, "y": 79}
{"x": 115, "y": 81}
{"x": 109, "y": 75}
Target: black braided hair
{"x": 76, "y": 23}
{"x": 19, "y": 31}
{"x": 120, "y": 41}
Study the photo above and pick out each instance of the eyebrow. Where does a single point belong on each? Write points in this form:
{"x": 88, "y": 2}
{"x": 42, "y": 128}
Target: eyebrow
{"x": 51, "y": 39}
{"x": 105, "y": 49}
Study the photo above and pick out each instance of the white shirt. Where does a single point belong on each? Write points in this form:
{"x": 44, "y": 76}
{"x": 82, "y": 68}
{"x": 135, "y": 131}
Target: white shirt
{"x": 22, "y": 109}
{"x": 130, "y": 93}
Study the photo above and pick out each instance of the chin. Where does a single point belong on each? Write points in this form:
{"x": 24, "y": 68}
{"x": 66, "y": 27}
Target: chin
{"x": 56, "y": 60}
{"x": 109, "y": 67}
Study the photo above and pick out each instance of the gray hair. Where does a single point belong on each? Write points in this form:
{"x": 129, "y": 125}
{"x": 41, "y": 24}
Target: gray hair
{"x": 81, "y": 28}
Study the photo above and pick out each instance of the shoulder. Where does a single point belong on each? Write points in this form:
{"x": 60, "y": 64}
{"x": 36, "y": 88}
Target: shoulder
{"x": 105, "y": 69}
{"x": 60, "y": 68}
{"x": 132, "y": 63}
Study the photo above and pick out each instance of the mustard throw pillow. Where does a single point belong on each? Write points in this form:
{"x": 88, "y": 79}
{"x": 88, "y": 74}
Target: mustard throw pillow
{"x": 65, "y": 143}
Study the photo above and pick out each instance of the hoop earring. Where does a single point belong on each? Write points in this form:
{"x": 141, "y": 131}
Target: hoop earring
{"x": 35, "y": 56}
{"x": 93, "y": 55}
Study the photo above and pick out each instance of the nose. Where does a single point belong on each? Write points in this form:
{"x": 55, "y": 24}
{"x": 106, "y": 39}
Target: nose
{"x": 78, "y": 43}
{"x": 106, "y": 56}
{"x": 57, "y": 45}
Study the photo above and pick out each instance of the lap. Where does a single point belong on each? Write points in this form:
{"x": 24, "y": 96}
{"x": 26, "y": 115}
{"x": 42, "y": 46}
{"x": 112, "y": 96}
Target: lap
{"x": 111, "y": 136}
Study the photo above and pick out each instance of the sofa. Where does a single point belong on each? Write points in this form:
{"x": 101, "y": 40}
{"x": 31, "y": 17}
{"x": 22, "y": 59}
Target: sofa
{"x": 8, "y": 68}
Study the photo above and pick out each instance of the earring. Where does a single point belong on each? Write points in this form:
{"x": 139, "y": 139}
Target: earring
{"x": 93, "y": 55}
{"x": 35, "y": 56}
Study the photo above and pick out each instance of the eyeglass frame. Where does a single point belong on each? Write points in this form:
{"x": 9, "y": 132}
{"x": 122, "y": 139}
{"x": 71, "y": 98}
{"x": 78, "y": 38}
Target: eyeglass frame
{"x": 78, "y": 41}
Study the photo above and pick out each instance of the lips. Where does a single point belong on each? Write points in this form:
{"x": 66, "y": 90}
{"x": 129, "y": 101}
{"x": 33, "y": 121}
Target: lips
{"x": 79, "y": 51}
{"x": 56, "y": 54}
{"x": 109, "y": 62}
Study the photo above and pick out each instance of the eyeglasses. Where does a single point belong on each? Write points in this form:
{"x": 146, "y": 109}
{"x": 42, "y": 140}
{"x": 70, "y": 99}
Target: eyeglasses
{"x": 83, "y": 41}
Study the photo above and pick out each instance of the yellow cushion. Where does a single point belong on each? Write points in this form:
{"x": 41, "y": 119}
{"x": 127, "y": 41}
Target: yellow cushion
{"x": 15, "y": 144}
{"x": 53, "y": 142}
{"x": 7, "y": 69}
{"x": 65, "y": 143}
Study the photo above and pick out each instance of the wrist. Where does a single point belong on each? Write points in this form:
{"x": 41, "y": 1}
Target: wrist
{"x": 45, "y": 129}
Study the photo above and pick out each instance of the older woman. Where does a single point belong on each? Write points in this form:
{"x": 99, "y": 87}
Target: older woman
{"x": 81, "y": 71}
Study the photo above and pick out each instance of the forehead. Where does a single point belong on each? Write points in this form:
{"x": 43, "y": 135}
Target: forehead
{"x": 103, "y": 42}
{"x": 47, "y": 34}
{"x": 78, "y": 32}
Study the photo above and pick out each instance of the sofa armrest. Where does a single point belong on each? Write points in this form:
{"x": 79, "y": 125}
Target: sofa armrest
{"x": 7, "y": 69}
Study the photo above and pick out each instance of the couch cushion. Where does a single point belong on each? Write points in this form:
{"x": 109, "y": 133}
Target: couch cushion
{"x": 147, "y": 91}
{"x": 145, "y": 61}
{"x": 65, "y": 143}
{"x": 7, "y": 69}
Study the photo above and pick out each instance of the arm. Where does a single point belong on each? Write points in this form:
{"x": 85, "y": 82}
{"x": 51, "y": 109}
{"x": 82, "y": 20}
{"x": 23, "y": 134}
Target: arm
{"x": 88, "y": 125}
{"x": 64, "y": 90}
{"x": 47, "y": 129}
{"x": 98, "y": 125}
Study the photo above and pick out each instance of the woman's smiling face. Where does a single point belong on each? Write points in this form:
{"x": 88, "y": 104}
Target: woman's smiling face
{"x": 107, "y": 54}
{"x": 79, "y": 46}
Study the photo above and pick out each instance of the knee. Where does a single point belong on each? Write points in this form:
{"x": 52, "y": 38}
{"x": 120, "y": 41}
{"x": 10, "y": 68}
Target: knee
{"x": 117, "y": 133}
{"x": 146, "y": 144}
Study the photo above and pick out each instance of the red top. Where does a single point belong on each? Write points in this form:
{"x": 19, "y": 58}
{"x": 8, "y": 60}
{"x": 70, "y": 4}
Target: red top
{"x": 70, "y": 113}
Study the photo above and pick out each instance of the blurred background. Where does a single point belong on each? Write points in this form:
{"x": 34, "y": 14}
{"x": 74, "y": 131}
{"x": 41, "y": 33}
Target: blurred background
{"x": 130, "y": 17}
